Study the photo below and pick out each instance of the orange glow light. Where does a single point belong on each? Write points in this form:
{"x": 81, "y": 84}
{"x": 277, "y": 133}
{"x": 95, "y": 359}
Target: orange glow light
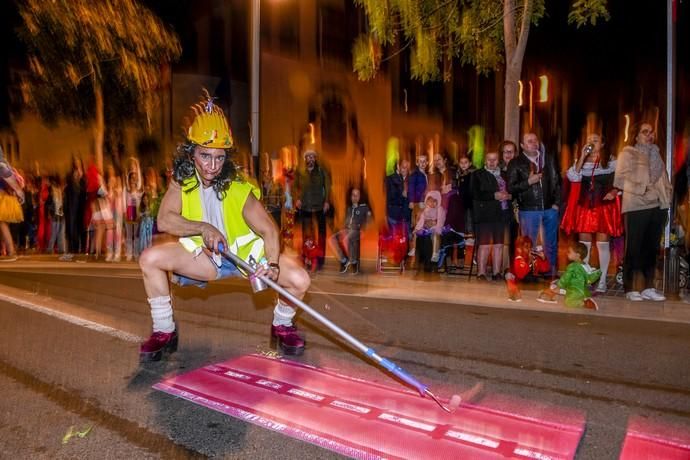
{"x": 519, "y": 93}
{"x": 627, "y": 127}
{"x": 543, "y": 88}
{"x": 312, "y": 138}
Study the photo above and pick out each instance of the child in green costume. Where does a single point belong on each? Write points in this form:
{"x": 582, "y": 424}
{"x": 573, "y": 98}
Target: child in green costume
{"x": 575, "y": 281}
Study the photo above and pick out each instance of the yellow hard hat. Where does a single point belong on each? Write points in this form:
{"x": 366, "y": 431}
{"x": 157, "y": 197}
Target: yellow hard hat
{"x": 210, "y": 128}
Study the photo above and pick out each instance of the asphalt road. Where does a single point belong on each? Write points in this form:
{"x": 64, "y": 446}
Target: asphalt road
{"x": 58, "y": 375}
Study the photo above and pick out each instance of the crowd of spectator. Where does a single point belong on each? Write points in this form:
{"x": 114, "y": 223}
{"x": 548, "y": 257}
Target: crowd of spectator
{"x": 511, "y": 209}
{"x": 517, "y": 198}
{"x": 107, "y": 216}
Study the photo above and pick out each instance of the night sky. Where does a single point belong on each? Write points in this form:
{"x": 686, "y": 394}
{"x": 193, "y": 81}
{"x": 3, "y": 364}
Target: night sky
{"x": 615, "y": 66}
{"x": 611, "y": 67}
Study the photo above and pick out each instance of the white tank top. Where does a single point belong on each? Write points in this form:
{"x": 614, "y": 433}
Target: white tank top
{"x": 212, "y": 209}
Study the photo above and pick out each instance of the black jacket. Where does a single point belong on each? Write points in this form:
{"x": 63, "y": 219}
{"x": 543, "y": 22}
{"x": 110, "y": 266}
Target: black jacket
{"x": 397, "y": 205}
{"x": 539, "y": 196}
{"x": 486, "y": 208}
{"x": 313, "y": 188}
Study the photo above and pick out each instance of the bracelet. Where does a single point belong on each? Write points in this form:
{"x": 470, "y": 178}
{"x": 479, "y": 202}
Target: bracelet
{"x": 274, "y": 265}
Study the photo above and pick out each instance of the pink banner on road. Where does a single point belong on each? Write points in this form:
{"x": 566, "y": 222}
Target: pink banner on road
{"x": 647, "y": 439}
{"x": 368, "y": 420}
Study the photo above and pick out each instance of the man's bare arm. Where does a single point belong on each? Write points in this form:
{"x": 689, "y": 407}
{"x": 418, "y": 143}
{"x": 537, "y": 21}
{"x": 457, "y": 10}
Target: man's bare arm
{"x": 263, "y": 225}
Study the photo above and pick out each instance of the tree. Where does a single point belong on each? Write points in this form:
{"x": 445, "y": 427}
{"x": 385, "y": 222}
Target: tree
{"x": 83, "y": 53}
{"x": 483, "y": 33}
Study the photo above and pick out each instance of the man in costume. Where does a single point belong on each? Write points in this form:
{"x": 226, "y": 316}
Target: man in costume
{"x": 209, "y": 204}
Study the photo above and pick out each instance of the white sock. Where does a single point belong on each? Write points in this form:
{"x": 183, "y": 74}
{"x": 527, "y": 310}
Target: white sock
{"x": 604, "y": 250}
{"x": 162, "y": 314}
{"x": 588, "y": 244}
{"x": 283, "y": 314}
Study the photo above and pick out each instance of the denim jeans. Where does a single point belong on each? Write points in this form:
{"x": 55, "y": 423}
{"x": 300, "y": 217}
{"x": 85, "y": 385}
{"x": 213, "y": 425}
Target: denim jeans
{"x": 57, "y": 234}
{"x": 131, "y": 240}
{"x": 352, "y": 238}
{"x": 532, "y": 223}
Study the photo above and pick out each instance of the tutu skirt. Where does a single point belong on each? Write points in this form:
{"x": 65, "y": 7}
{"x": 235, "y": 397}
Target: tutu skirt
{"x": 10, "y": 209}
{"x": 605, "y": 218}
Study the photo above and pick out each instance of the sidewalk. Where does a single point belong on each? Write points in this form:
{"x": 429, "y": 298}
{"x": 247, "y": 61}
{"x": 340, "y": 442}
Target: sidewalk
{"x": 450, "y": 289}
{"x": 457, "y": 289}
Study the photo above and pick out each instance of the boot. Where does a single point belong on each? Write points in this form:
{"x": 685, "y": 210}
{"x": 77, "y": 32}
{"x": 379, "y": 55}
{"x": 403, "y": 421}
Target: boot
{"x": 159, "y": 342}
{"x": 288, "y": 339}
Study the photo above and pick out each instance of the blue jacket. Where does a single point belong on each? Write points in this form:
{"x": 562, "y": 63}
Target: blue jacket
{"x": 416, "y": 187}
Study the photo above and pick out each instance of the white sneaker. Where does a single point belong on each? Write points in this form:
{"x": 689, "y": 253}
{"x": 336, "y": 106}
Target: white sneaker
{"x": 634, "y": 296}
{"x": 411, "y": 253}
{"x": 651, "y": 294}
{"x": 601, "y": 287}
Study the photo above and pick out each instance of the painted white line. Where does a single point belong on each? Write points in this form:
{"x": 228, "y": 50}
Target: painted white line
{"x": 269, "y": 384}
{"x": 525, "y": 452}
{"x": 98, "y": 327}
{"x": 407, "y": 422}
{"x": 474, "y": 439}
{"x": 305, "y": 394}
{"x": 350, "y": 407}
{"x": 237, "y": 375}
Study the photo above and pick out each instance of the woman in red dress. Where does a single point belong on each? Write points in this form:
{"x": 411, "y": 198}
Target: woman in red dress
{"x": 593, "y": 209}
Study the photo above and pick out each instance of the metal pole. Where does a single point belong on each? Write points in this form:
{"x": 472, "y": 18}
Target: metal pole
{"x": 367, "y": 351}
{"x": 670, "y": 93}
{"x": 671, "y": 274}
{"x": 255, "y": 78}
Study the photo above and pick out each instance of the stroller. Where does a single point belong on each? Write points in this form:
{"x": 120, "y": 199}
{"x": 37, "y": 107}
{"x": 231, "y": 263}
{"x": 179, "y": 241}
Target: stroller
{"x": 392, "y": 249}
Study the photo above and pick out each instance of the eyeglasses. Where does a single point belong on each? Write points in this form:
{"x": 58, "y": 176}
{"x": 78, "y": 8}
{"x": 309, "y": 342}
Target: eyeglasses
{"x": 647, "y": 131}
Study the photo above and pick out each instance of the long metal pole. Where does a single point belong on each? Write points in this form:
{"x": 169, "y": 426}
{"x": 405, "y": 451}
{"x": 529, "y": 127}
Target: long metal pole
{"x": 370, "y": 352}
{"x": 255, "y": 78}
{"x": 671, "y": 284}
{"x": 670, "y": 94}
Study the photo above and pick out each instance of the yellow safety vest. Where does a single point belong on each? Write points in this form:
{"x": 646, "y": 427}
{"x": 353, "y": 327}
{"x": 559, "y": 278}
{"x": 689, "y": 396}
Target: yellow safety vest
{"x": 242, "y": 241}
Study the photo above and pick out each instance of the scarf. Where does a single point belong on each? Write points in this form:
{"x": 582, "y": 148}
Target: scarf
{"x": 656, "y": 164}
{"x": 501, "y": 185}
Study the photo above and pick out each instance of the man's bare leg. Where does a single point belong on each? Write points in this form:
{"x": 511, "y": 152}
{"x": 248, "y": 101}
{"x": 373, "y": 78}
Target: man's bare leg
{"x": 296, "y": 281}
{"x": 155, "y": 263}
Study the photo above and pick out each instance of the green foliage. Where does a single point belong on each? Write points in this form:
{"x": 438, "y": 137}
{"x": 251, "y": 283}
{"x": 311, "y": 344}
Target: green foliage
{"x": 437, "y": 31}
{"x": 365, "y": 58}
{"x": 76, "y": 46}
{"x": 588, "y": 11}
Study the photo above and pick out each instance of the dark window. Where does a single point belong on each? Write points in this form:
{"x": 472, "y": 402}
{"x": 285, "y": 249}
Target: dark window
{"x": 333, "y": 40}
{"x": 280, "y": 26}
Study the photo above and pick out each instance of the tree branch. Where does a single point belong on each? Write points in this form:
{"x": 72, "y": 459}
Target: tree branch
{"x": 398, "y": 51}
{"x": 524, "y": 33}
{"x": 509, "y": 29}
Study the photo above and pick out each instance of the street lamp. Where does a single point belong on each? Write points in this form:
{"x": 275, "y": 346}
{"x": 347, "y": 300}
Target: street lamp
{"x": 254, "y": 84}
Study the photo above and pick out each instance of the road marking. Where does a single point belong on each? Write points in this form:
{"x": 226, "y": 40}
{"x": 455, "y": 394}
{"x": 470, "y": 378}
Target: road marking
{"x": 76, "y": 320}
